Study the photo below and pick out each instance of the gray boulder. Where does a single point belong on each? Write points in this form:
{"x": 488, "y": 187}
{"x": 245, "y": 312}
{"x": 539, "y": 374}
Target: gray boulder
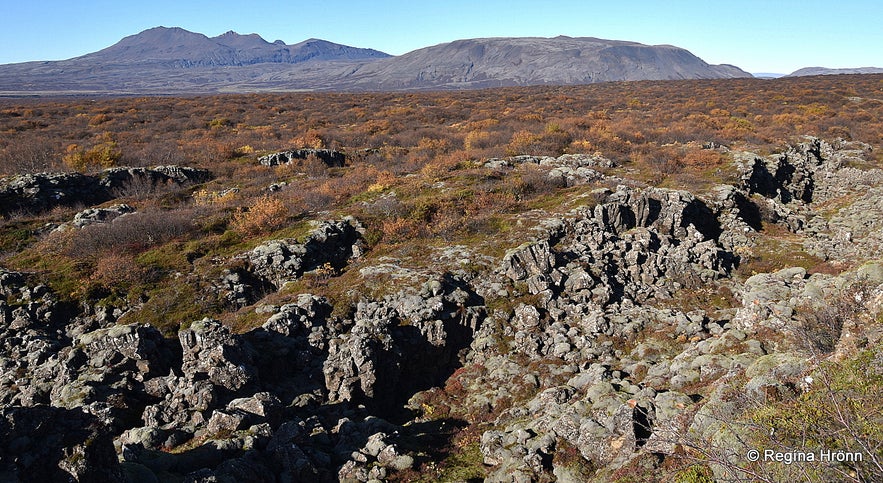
{"x": 100, "y": 215}
{"x": 529, "y": 260}
{"x": 210, "y": 350}
{"x": 401, "y": 345}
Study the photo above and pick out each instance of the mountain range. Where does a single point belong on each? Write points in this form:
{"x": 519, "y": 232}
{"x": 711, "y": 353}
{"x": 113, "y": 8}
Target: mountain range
{"x": 165, "y": 60}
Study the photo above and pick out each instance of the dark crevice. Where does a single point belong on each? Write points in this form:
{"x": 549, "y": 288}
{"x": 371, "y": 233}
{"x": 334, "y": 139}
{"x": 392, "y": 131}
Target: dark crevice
{"x": 641, "y": 425}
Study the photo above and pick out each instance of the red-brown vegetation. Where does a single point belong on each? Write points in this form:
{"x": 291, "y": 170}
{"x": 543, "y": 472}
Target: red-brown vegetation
{"x": 414, "y": 170}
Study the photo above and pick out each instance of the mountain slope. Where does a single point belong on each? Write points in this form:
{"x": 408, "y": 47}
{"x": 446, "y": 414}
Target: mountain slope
{"x": 173, "y": 60}
{"x": 531, "y": 60}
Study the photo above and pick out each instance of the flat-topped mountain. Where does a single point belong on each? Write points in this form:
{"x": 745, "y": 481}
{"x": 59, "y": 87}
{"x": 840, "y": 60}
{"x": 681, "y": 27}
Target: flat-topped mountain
{"x": 165, "y": 60}
{"x": 826, "y": 71}
{"x": 510, "y": 61}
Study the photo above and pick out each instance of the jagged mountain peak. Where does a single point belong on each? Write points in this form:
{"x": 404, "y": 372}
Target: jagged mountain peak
{"x": 182, "y": 48}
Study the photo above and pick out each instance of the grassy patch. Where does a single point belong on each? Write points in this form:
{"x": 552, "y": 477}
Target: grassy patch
{"x": 774, "y": 250}
{"x": 464, "y": 465}
{"x": 173, "y": 305}
{"x": 705, "y": 298}
{"x": 64, "y": 275}
{"x": 15, "y": 237}
{"x": 244, "y": 320}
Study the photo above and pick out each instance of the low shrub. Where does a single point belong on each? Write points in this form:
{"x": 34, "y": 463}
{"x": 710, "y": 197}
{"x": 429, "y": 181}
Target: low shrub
{"x": 134, "y": 233}
{"x": 105, "y": 154}
{"x": 266, "y": 214}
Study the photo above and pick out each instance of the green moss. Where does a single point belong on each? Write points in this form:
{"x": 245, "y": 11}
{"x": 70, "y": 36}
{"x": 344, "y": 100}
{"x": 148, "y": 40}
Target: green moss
{"x": 297, "y": 230}
{"x": 840, "y": 411}
{"x": 776, "y": 249}
{"x": 172, "y": 256}
{"x": 829, "y": 208}
{"x": 466, "y": 464}
{"x": 15, "y": 237}
{"x": 173, "y": 305}
{"x": 229, "y": 239}
{"x": 65, "y": 276}
{"x": 563, "y": 198}
{"x": 706, "y": 298}
{"x": 695, "y": 474}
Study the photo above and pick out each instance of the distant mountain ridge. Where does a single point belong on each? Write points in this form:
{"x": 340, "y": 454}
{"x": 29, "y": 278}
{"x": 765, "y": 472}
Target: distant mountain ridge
{"x": 826, "y": 71}
{"x": 173, "y": 60}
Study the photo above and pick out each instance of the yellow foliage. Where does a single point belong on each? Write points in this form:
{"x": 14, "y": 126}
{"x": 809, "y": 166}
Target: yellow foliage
{"x": 105, "y": 154}
{"x": 311, "y": 139}
{"x": 376, "y": 188}
{"x": 431, "y": 144}
{"x": 582, "y": 146}
{"x": 97, "y": 119}
{"x": 551, "y": 141}
{"x": 205, "y": 197}
{"x": 265, "y": 215}
{"x": 520, "y": 142}
{"x": 476, "y": 140}
{"x": 384, "y": 180}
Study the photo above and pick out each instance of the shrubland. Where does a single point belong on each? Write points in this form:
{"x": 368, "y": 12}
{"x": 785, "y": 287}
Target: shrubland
{"x": 422, "y": 181}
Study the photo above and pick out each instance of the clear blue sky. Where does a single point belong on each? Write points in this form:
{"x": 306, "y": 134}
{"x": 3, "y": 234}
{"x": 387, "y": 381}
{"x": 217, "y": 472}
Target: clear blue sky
{"x": 756, "y": 35}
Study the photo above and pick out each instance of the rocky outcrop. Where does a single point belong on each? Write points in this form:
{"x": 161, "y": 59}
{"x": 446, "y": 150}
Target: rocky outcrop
{"x": 635, "y": 244}
{"x": 43, "y": 191}
{"x": 92, "y": 216}
{"x": 535, "y": 259}
{"x": 565, "y": 170}
{"x": 853, "y": 232}
{"x": 119, "y": 180}
{"x": 791, "y": 184}
{"x": 597, "y": 389}
{"x": 331, "y": 158}
{"x": 240, "y": 393}
{"x": 328, "y": 247}
{"x": 52, "y": 356}
{"x": 402, "y": 344}
{"x": 374, "y": 460}
{"x": 31, "y": 338}
{"x": 211, "y": 352}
